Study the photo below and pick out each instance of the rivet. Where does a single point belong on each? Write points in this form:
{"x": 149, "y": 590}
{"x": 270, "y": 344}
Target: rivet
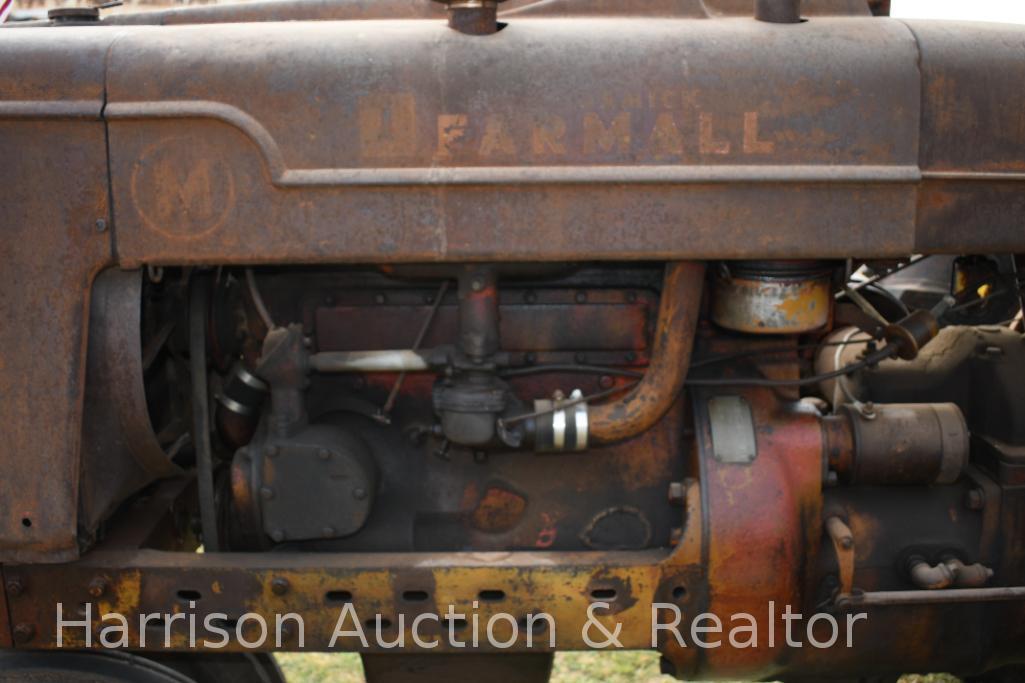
{"x": 101, "y": 225}
{"x": 279, "y": 585}
{"x": 277, "y": 535}
{"x": 24, "y": 633}
{"x": 97, "y": 587}
{"x": 15, "y": 588}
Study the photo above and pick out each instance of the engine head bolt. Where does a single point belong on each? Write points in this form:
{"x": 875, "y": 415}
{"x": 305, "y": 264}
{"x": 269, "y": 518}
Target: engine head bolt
{"x": 15, "y": 588}
{"x": 97, "y": 587}
{"x": 279, "y": 585}
{"x": 24, "y": 633}
{"x": 975, "y": 499}
{"x": 324, "y": 454}
{"x": 266, "y": 492}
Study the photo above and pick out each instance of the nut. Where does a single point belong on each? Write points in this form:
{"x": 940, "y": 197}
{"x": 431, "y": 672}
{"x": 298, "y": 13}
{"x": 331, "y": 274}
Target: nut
{"x": 975, "y": 499}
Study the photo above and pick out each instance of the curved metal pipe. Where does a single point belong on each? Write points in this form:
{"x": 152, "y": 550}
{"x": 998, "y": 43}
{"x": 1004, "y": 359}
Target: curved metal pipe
{"x": 649, "y": 400}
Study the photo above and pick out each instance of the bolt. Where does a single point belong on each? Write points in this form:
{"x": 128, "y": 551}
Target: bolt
{"x": 271, "y": 451}
{"x": 97, "y": 587}
{"x": 279, "y": 585}
{"x": 277, "y": 535}
{"x": 327, "y": 532}
{"x": 832, "y": 479}
{"x": 580, "y": 297}
{"x": 379, "y": 299}
{"x": 324, "y": 454}
{"x": 605, "y": 382}
{"x": 530, "y": 297}
{"x": 15, "y": 588}
{"x": 676, "y": 493}
{"x": 846, "y": 542}
{"x": 101, "y": 225}
{"x": 359, "y": 493}
{"x": 994, "y": 351}
{"x": 675, "y": 536}
{"x": 630, "y": 356}
{"x": 266, "y": 492}
{"x": 975, "y": 499}
{"x": 24, "y": 633}
{"x": 476, "y": 284}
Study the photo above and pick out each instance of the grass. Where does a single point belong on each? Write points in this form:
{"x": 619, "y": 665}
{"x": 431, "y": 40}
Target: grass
{"x": 570, "y": 667}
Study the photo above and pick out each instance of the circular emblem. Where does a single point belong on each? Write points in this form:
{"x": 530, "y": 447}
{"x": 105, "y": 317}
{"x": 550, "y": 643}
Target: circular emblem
{"x": 182, "y": 189}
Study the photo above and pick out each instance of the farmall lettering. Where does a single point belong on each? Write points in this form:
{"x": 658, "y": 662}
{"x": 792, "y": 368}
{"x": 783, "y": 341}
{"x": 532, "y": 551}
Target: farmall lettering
{"x": 644, "y": 128}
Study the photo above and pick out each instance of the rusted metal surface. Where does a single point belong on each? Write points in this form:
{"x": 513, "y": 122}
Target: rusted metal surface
{"x": 56, "y": 236}
{"x": 904, "y": 444}
{"x": 548, "y": 156}
{"x": 971, "y": 154}
{"x": 674, "y": 153}
{"x": 318, "y": 585}
{"x": 348, "y": 10}
{"x": 673, "y": 337}
{"x": 759, "y": 515}
{"x": 763, "y": 299}
{"x": 120, "y": 452}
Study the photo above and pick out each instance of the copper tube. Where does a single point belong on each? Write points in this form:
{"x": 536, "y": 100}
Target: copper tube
{"x": 649, "y": 400}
